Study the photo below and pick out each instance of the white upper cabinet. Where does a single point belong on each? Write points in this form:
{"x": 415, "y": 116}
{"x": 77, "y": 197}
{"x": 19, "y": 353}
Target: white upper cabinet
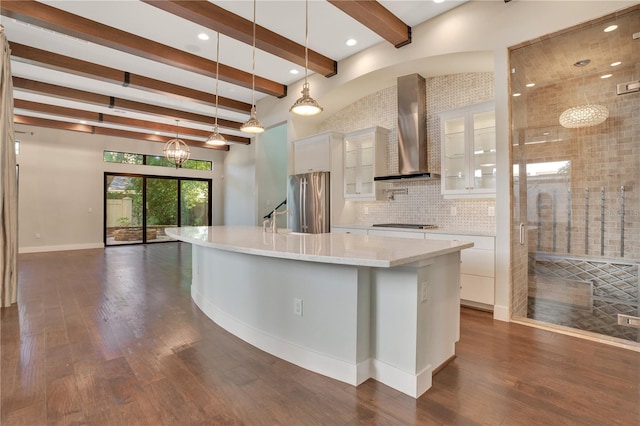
{"x": 468, "y": 167}
{"x": 313, "y": 153}
{"x": 364, "y": 158}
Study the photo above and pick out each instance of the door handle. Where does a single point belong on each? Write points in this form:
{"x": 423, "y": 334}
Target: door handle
{"x": 521, "y": 233}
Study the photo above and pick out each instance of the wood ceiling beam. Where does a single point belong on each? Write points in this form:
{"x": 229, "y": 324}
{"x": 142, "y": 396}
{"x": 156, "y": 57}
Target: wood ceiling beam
{"x": 39, "y": 57}
{"x": 377, "y": 18}
{"x": 117, "y": 103}
{"x": 84, "y": 128}
{"x": 58, "y": 20}
{"x": 152, "y": 126}
{"x": 216, "y": 18}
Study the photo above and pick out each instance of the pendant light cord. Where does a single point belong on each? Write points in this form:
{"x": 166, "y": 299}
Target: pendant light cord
{"x": 217, "y": 68}
{"x": 306, "y": 39}
{"x": 253, "y": 66}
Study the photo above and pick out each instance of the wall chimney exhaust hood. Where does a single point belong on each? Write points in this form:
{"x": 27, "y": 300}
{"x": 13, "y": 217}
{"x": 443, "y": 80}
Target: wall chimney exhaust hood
{"x": 412, "y": 140}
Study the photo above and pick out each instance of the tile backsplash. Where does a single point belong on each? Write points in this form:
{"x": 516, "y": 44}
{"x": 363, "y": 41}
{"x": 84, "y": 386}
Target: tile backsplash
{"x": 423, "y": 203}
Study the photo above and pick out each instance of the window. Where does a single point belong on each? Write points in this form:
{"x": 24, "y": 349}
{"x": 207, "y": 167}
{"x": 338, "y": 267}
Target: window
{"x": 152, "y": 160}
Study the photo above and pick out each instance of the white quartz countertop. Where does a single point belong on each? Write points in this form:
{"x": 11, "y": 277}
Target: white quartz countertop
{"x": 344, "y": 249}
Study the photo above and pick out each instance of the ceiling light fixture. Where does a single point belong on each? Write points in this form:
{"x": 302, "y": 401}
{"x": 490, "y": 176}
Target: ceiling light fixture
{"x": 176, "y": 151}
{"x": 253, "y": 125}
{"x": 606, "y": 76}
{"x": 306, "y": 105}
{"x": 530, "y": 84}
{"x": 584, "y": 115}
{"x": 515, "y": 95}
{"x": 351, "y": 42}
{"x": 203, "y": 36}
{"x": 610, "y": 28}
{"x": 615, "y": 64}
{"x": 294, "y": 71}
{"x": 216, "y": 138}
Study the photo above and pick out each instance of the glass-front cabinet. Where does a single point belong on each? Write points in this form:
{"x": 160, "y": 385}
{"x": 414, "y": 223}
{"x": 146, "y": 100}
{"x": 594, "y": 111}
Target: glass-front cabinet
{"x": 469, "y": 151}
{"x": 364, "y": 158}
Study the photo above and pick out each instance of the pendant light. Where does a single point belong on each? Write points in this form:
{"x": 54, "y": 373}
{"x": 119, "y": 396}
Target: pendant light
{"x": 253, "y": 125}
{"x": 583, "y": 115}
{"x": 176, "y": 151}
{"x": 216, "y": 138}
{"x": 306, "y": 105}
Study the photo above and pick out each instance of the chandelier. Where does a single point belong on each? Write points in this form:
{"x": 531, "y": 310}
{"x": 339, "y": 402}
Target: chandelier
{"x": 176, "y": 151}
{"x": 584, "y": 116}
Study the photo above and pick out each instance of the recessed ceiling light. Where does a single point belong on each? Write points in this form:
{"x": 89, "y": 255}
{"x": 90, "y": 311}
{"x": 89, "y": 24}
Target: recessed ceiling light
{"x": 610, "y": 28}
{"x": 606, "y": 76}
{"x": 530, "y": 84}
{"x": 294, "y": 71}
{"x": 157, "y": 133}
{"x": 351, "y": 42}
{"x": 438, "y": 1}
{"x": 515, "y": 95}
{"x": 83, "y": 122}
{"x": 203, "y": 36}
{"x": 615, "y": 64}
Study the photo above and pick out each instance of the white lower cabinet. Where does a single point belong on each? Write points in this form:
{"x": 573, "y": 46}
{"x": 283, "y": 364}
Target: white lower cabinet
{"x": 477, "y": 268}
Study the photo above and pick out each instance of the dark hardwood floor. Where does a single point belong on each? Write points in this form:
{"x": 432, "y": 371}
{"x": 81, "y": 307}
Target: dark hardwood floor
{"x": 111, "y": 337}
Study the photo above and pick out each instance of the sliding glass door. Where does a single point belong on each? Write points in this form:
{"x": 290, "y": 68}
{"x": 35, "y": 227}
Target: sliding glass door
{"x": 138, "y": 208}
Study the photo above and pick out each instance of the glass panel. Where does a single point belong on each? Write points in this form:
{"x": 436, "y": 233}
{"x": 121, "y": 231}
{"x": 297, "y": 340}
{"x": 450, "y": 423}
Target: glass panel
{"x": 194, "y": 203}
{"x": 124, "y": 210}
{"x": 122, "y": 157}
{"x": 162, "y": 208}
{"x": 575, "y": 190}
{"x": 454, "y": 145}
{"x": 484, "y": 149}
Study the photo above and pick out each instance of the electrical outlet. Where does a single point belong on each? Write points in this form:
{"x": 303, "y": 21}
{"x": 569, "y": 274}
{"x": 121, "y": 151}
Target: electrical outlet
{"x": 424, "y": 291}
{"x": 366, "y": 210}
{"x": 297, "y": 307}
{"x": 491, "y": 211}
{"x": 454, "y": 211}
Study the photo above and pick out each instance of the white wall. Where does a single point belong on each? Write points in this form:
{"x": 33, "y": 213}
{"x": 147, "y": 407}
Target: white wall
{"x": 271, "y": 172}
{"x": 61, "y": 185}
{"x": 240, "y": 184}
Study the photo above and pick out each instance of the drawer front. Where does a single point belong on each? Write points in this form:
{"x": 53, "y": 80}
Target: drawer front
{"x": 356, "y": 231}
{"x": 401, "y": 234}
{"x": 479, "y": 241}
{"x": 477, "y": 262}
{"x": 477, "y": 289}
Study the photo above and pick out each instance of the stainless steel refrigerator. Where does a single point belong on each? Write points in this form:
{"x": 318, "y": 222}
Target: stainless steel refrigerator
{"x": 308, "y": 201}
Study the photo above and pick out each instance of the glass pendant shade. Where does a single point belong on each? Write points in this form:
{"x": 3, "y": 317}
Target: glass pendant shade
{"x": 252, "y": 125}
{"x": 176, "y": 152}
{"x": 584, "y": 116}
{"x": 306, "y": 105}
{"x": 216, "y": 138}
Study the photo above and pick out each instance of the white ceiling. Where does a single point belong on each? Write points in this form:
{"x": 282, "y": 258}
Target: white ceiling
{"x": 329, "y": 28}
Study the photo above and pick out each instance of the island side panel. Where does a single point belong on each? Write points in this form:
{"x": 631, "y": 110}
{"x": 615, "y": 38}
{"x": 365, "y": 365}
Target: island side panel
{"x": 253, "y": 298}
{"x": 411, "y": 337}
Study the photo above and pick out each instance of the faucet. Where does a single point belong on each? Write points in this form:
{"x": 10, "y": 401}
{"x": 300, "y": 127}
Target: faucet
{"x": 274, "y": 222}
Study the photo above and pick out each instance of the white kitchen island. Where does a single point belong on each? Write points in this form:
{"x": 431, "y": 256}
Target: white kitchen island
{"x": 351, "y": 307}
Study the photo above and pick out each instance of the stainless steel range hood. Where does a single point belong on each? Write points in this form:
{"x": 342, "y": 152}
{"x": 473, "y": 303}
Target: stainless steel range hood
{"x": 412, "y": 140}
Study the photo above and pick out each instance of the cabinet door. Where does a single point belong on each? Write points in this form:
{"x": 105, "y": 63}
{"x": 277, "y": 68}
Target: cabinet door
{"x": 363, "y": 160}
{"x": 469, "y": 151}
{"x": 312, "y": 154}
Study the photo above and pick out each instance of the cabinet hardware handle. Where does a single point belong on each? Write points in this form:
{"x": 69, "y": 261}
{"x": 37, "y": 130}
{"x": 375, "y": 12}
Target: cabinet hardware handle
{"x": 521, "y": 233}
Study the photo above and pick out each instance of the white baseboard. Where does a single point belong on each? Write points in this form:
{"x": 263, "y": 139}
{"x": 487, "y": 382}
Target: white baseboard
{"x": 501, "y": 313}
{"x": 410, "y": 384}
{"x": 64, "y": 247}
